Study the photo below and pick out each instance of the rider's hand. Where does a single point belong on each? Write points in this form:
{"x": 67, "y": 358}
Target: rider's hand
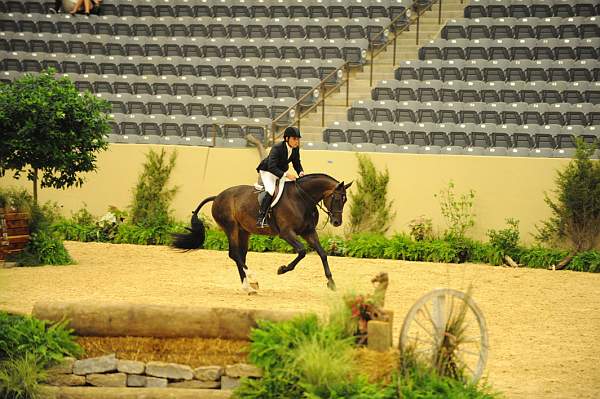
{"x": 290, "y": 176}
{"x": 301, "y": 174}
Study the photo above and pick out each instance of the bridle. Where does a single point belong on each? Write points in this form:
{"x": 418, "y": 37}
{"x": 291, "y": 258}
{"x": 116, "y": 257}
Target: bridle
{"x": 318, "y": 202}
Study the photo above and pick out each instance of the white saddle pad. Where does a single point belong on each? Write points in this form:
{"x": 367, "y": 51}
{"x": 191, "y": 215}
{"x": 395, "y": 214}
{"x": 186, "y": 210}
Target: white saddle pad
{"x": 279, "y": 192}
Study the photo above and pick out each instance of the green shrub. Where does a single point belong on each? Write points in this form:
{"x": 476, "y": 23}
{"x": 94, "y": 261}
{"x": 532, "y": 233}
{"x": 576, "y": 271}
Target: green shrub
{"x": 157, "y": 234}
{"x": 437, "y": 251}
{"x": 366, "y": 245}
{"x": 588, "y": 261}
{"x": 369, "y": 209}
{"x": 19, "y": 377}
{"x": 401, "y": 247}
{"x": 539, "y": 257}
{"x": 419, "y": 382}
{"x": 333, "y": 245}
{"x": 421, "y": 228}
{"x": 27, "y": 335}
{"x": 506, "y": 241}
{"x": 151, "y": 199}
{"x": 458, "y": 211}
{"x": 575, "y": 216}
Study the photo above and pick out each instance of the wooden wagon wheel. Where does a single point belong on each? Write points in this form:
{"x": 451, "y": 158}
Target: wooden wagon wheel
{"x": 447, "y": 321}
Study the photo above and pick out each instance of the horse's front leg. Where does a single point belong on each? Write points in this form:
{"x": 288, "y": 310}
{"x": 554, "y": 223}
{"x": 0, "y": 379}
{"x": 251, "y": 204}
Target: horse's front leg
{"x": 291, "y": 238}
{"x": 313, "y": 240}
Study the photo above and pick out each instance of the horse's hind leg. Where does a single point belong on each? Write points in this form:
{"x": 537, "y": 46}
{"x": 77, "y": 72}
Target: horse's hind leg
{"x": 238, "y": 247}
{"x": 243, "y": 241}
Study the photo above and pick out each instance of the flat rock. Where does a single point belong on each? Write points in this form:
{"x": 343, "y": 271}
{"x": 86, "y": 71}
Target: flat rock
{"x": 229, "y": 382}
{"x": 64, "y": 367}
{"x": 136, "y": 380}
{"x": 243, "y": 370}
{"x": 65, "y": 380}
{"x": 173, "y": 371}
{"x": 94, "y": 365}
{"x": 107, "y": 380}
{"x": 153, "y": 382}
{"x": 209, "y": 373}
{"x": 130, "y": 367}
{"x": 195, "y": 384}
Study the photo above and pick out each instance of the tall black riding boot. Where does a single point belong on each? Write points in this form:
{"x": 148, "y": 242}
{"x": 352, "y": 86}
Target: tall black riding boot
{"x": 262, "y": 213}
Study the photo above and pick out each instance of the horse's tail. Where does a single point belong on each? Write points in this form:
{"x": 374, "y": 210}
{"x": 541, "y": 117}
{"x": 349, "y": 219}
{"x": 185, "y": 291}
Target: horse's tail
{"x": 195, "y": 238}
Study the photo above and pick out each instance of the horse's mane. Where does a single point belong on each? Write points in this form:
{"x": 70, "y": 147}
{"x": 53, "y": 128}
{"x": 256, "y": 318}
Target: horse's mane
{"x": 316, "y": 175}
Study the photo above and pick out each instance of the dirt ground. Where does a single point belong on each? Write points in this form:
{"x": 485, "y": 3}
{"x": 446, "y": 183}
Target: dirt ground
{"x": 544, "y": 326}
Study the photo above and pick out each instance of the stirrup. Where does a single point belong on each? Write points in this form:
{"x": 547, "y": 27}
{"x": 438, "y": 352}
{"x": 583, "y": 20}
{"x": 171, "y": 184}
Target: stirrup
{"x": 262, "y": 223}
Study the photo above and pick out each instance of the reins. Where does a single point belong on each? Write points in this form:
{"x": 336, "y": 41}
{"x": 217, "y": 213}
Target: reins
{"x": 317, "y": 203}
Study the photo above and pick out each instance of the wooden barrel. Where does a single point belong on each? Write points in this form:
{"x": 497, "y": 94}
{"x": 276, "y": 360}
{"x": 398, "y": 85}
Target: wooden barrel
{"x": 14, "y": 232}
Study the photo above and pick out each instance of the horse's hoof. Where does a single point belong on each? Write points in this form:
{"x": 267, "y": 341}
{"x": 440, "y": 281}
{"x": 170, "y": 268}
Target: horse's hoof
{"x": 331, "y": 284}
{"x": 254, "y": 285}
{"x": 282, "y": 269}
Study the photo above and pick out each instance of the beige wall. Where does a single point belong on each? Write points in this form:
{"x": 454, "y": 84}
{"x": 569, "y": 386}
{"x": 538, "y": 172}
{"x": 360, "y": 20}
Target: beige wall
{"x": 504, "y": 186}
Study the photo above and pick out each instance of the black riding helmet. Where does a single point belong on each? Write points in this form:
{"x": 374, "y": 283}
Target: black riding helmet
{"x": 291, "y": 131}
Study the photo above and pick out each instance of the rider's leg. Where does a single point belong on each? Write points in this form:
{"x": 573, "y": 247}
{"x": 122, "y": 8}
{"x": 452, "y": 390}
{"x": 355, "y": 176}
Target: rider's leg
{"x": 269, "y": 180}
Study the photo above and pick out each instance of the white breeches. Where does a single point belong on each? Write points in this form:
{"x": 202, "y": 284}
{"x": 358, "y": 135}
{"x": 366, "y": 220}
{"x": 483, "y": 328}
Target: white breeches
{"x": 269, "y": 181}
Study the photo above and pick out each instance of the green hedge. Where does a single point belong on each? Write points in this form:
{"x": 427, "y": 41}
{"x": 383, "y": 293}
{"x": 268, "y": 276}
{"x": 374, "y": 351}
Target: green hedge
{"x": 82, "y": 227}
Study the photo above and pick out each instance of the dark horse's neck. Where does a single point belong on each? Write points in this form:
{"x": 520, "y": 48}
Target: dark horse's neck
{"x": 317, "y": 185}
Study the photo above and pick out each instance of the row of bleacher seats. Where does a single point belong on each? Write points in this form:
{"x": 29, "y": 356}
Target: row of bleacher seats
{"x": 353, "y": 51}
{"x": 499, "y": 70}
{"x": 462, "y": 135}
{"x": 510, "y": 49}
{"x": 273, "y": 9}
{"x": 526, "y": 28}
{"x": 198, "y": 105}
{"x": 490, "y": 92}
{"x": 583, "y": 114}
{"x": 531, "y": 8}
{"x": 151, "y": 66}
{"x": 257, "y": 28}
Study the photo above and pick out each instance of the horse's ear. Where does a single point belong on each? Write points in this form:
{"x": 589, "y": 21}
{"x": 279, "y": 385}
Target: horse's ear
{"x": 347, "y": 186}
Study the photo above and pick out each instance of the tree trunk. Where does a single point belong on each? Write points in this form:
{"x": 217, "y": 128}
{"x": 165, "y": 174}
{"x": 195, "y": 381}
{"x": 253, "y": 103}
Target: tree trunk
{"x": 510, "y": 261}
{"x": 35, "y": 184}
{"x": 561, "y": 265}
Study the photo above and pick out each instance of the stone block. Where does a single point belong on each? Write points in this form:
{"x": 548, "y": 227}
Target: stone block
{"x": 65, "y": 380}
{"x": 102, "y": 364}
{"x": 153, "y": 382}
{"x": 64, "y": 367}
{"x": 379, "y": 334}
{"x": 107, "y": 380}
{"x": 229, "y": 382}
{"x": 243, "y": 370}
{"x": 209, "y": 373}
{"x": 173, "y": 371}
{"x": 135, "y": 380}
{"x": 196, "y": 384}
{"x": 130, "y": 367}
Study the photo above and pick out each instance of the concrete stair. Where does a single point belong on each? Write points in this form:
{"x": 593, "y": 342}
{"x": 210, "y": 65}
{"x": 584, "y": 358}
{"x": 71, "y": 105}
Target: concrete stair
{"x": 360, "y": 88}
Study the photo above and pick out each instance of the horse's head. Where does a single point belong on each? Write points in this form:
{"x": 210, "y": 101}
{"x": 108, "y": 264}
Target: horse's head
{"x": 334, "y": 202}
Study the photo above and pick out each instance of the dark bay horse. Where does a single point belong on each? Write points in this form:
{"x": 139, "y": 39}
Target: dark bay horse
{"x": 294, "y": 216}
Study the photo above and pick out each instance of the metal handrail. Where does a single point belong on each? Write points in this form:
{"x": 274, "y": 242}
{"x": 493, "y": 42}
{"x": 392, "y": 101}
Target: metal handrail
{"x": 389, "y": 28}
{"x": 321, "y": 85}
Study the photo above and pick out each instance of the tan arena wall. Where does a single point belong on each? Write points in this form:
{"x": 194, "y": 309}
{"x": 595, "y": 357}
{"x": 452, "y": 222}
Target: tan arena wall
{"x": 504, "y": 186}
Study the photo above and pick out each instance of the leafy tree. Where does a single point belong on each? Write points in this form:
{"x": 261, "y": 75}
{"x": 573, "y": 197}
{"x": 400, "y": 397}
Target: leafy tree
{"x": 370, "y": 211}
{"x": 49, "y": 128}
{"x": 575, "y": 219}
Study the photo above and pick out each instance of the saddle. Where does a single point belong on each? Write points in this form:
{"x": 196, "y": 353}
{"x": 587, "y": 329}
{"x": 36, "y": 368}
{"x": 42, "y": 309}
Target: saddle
{"x": 279, "y": 187}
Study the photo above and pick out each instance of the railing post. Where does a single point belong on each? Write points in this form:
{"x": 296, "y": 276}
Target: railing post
{"x": 323, "y": 106}
{"x": 440, "y": 12}
{"x": 214, "y": 135}
{"x": 347, "y": 84}
{"x": 298, "y": 115}
{"x": 372, "y": 64}
{"x": 395, "y": 41}
{"x": 418, "y": 24}
{"x": 273, "y": 132}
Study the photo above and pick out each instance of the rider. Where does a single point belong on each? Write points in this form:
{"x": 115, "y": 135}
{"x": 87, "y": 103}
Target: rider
{"x": 275, "y": 166}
